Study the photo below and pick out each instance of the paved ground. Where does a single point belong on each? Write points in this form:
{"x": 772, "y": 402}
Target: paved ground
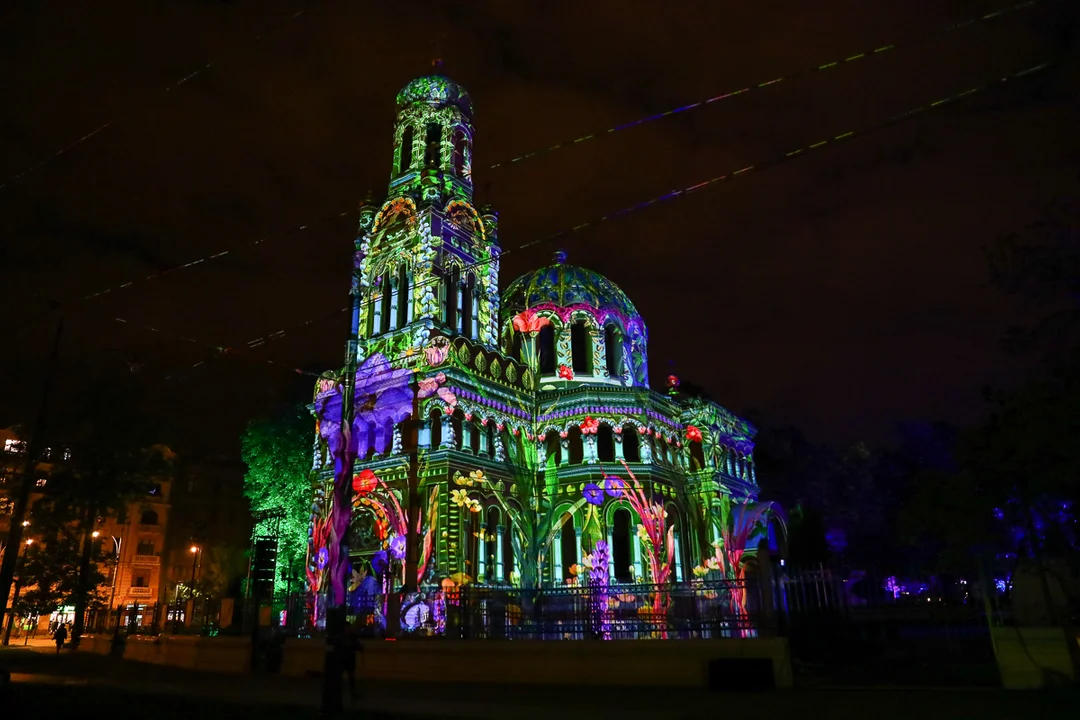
{"x": 45, "y": 684}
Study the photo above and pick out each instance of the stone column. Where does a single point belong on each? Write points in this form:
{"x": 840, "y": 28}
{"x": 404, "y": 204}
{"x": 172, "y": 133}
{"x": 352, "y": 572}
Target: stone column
{"x": 635, "y": 555}
{"x": 678, "y": 559}
{"x": 577, "y": 545}
{"x": 447, "y": 432}
{"x": 500, "y": 573}
{"x": 556, "y": 558}
{"x": 589, "y": 446}
{"x": 481, "y": 562}
{"x": 619, "y": 455}
{"x": 395, "y": 446}
{"x": 460, "y": 320}
{"x": 475, "y": 329}
{"x": 611, "y": 554}
{"x": 478, "y": 428}
{"x": 376, "y": 307}
{"x": 563, "y": 351}
{"x": 394, "y": 300}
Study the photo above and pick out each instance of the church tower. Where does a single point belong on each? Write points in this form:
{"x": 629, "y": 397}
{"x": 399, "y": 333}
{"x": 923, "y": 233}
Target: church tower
{"x": 426, "y": 259}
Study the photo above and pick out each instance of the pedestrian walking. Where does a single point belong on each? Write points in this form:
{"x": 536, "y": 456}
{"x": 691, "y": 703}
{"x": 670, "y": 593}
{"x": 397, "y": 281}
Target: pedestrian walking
{"x": 59, "y": 637}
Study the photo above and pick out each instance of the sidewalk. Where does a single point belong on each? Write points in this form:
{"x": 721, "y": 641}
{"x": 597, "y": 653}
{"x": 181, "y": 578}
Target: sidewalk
{"x": 101, "y": 676}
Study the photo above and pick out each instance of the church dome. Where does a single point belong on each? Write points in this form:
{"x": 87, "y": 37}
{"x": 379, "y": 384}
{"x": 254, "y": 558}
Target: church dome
{"x": 563, "y": 286}
{"x": 437, "y": 91}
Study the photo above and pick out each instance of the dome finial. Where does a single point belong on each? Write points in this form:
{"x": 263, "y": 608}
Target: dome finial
{"x": 559, "y": 257}
{"x": 437, "y": 51}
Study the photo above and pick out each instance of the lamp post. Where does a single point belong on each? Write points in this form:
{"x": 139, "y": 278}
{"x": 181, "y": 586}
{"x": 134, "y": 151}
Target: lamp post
{"x": 194, "y": 564}
{"x": 115, "y": 569}
{"x": 17, "y": 586}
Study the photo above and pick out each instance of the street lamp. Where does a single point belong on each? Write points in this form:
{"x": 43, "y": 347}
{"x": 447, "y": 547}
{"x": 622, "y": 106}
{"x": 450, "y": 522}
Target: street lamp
{"x": 194, "y": 564}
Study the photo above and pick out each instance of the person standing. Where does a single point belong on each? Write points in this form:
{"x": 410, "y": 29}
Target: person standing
{"x": 60, "y": 636}
{"x": 350, "y": 646}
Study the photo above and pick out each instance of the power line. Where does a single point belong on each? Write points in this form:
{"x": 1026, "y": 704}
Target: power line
{"x": 227, "y": 350}
{"x": 167, "y": 89}
{"x": 767, "y": 83}
{"x": 731, "y": 175}
{"x": 790, "y": 76}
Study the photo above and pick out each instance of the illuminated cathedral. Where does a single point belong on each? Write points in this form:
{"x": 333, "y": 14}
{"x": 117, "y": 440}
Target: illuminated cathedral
{"x": 515, "y": 432}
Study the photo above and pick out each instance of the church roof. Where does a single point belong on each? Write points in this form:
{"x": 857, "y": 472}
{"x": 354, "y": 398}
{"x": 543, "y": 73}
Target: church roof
{"x": 435, "y": 90}
{"x": 564, "y": 285}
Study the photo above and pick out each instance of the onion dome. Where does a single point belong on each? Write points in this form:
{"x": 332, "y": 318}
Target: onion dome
{"x": 437, "y": 91}
{"x": 564, "y": 286}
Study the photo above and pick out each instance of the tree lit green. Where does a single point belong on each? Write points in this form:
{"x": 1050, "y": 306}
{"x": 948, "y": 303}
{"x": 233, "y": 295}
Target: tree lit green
{"x": 276, "y": 451}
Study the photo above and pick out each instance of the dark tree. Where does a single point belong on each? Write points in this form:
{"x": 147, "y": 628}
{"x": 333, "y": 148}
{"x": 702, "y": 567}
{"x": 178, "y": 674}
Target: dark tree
{"x": 113, "y": 462}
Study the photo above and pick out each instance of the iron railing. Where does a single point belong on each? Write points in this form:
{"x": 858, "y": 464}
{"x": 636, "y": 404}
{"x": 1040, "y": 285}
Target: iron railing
{"x": 698, "y": 610}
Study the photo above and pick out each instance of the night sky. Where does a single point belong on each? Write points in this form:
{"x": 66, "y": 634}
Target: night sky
{"x": 843, "y": 292}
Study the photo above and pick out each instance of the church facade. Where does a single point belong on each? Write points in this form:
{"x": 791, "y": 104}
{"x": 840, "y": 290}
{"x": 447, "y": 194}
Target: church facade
{"x": 509, "y": 439}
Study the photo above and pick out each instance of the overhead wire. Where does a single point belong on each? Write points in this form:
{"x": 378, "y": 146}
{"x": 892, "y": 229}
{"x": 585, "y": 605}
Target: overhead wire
{"x": 839, "y": 62}
{"x": 769, "y": 83}
{"x": 779, "y": 159}
{"x": 112, "y": 123}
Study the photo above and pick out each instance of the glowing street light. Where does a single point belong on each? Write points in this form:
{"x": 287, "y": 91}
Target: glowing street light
{"x": 95, "y": 534}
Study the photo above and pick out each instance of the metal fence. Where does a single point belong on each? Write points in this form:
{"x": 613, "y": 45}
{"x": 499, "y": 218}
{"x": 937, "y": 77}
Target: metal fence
{"x": 859, "y": 629}
{"x": 637, "y": 611}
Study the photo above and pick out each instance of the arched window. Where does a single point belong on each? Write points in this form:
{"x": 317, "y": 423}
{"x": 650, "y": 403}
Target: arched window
{"x": 631, "y": 446}
{"x": 546, "y": 344}
{"x": 450, "y": 285}
{"x": 605, "y": 444}
{"x": 473, "y": 428}
{"x": 553, "y": 446}
{"x": 515, "y": 347}
{"x": 467, "y": 287}
{"x": 508, "y": 550}
{"x": 148, "y": 517}
{"x": 404, "y": 300}
{"x": 405, "y": 160}
{"x": 472, "y": 545}
{"x": 673, "y": 522}
{"x": 613, "y": 350}
{"x": 435, "y": 422}
{"x": 387, "y": 298}
{"x": 576, "y": 446}
{"x": 490, "y": 430}
{"x": 385, "y": 437}
{"x": 620, "y": 546}
{"x": 457, "y": 420}
{"x": 433, "y": 154}
{"x": 459, "y": 153}
{"x": 491, "y": 553}
{"x": 697, "y": 456}
{"x": 581, "y": 348}
{"x": 368, "y": 444}
{"x": 568, "y": 541}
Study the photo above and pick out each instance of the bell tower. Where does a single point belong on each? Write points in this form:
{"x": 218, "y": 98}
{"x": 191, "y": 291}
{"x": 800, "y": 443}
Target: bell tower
{"x": 426, "y": 259}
